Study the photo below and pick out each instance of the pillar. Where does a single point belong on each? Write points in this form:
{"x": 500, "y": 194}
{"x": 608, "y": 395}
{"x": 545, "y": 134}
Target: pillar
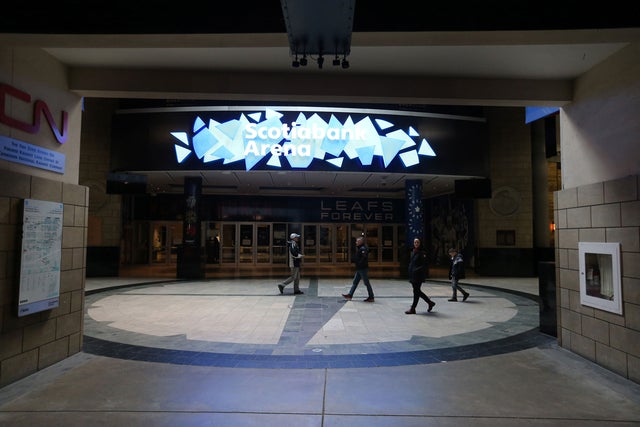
{"x": 190, "y": 265}
{"x": 415, "y": 211}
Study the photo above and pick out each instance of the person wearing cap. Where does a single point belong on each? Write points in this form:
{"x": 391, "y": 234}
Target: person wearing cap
{"x": 456, "y": 272}
{"x": 295, "y": 256}
{"x": 361, "y": 260}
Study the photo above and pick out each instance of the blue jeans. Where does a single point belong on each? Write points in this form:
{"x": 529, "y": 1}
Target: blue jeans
{"x": 456, "y": 287}
{"x": 363, "y": 274}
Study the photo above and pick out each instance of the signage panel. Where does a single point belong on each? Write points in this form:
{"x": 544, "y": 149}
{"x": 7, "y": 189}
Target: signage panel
{"x": 31, "y": 155}
{"x": 298, "y": 138}
{"x": 304, "y": 209}
{"x": 274, "y": 209}
{"x": 41, "y": 255}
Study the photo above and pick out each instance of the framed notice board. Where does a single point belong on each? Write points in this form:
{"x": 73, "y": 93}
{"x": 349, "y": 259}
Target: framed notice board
{"x": 40, "y": 256}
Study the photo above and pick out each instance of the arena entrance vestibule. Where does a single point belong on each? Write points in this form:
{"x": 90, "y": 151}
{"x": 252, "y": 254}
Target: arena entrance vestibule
{"x": 245, "y": 243}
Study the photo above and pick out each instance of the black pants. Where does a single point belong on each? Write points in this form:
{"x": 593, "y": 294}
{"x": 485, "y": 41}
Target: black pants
{"x": 417, "y": 294}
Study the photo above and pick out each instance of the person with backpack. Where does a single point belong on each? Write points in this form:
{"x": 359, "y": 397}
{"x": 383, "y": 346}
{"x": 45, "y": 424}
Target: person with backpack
{"x": 456, "y": 272}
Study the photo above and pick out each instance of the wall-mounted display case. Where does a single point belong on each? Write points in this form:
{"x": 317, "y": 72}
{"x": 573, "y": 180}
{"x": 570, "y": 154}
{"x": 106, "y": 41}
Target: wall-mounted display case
{"x": 600, "y": 284}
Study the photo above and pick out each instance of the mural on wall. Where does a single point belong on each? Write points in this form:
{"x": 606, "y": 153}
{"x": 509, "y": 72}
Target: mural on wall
{"x": 450, "y": 227}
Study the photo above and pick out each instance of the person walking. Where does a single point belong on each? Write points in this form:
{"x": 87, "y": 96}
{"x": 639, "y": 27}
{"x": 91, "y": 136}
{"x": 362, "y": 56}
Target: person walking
{"x": 295, "y": 256}
{"x": 456, "y": 272}
{"x": 361, "y": 260}
{"x": 417, "y": 275}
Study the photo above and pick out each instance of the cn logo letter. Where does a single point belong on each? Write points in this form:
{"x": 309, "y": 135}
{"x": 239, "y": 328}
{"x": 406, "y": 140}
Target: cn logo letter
{"x": 39, "y": 108}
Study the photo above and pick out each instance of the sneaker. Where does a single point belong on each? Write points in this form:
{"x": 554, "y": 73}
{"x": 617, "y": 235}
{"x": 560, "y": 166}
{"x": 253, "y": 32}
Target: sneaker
{"x": 370, "y": 299}
{"x": 464, "y": 298}
{"x": 347, "y": 296}
{"x": 281, "y": 288}
{"x": 410, "y": 311}
{"x": 298, "y": 292}
{"x": 431, "y": 304}
{"x": 453, "y": 300}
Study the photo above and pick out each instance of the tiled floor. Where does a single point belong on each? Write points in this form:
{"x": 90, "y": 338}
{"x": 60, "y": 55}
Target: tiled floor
{"x": 246, "y": 322}
{"x": 234, "y": 352}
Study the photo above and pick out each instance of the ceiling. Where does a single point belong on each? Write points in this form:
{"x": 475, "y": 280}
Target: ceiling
{"x": 543, "y": 43}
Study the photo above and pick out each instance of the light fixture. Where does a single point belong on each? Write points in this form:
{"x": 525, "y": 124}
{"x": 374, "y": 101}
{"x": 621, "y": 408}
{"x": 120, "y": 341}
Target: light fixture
{"x": 315, "y": 28}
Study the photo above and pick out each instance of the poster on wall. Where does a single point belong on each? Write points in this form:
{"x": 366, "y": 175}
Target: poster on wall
{"x": 40, "y": 256}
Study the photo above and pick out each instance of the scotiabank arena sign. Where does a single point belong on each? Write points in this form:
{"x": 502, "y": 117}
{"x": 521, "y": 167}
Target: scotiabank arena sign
{"x": 270, "y": 138}
{"x": 309, "y": 138}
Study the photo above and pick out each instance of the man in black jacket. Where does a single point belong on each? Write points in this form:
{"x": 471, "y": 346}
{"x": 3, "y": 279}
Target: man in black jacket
{"x": 456, "y": 272}
{"x": 361, "y": 260}
{"x": 295, "y": 256}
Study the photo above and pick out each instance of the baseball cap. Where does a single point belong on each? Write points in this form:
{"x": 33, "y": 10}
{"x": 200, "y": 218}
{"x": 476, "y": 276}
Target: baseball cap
{"x": 294, "y": 235}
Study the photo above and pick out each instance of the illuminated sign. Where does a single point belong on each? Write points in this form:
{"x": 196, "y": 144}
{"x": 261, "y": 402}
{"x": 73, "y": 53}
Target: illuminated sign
{"x": 279, "y": 209}
{"x": 39, "y": 108}
{"x": 343, "y": 210}
{"x": 264, "y": 136}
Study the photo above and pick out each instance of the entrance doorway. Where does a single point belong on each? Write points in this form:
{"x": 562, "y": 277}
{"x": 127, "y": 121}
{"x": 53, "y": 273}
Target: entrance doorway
{"x": 322, "y": 244}
{"x": 165, "y": 239}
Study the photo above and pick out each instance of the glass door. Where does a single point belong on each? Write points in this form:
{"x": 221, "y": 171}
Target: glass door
{"x": 342, "y": 243}
{"x": 165, "y": 239}
{"x": 373, "y": 242}
{"x": 139, "y": 250}
{"x": 228, "y": 239}
{"x": 263, "y": 241}
{"x": 387, "y": 243}
{"x": 159, "y": 238}
{"x": 246, "y": 248}
{"x": 310, "y": 243}
{"x": 326, "y": 244}
{"x": 211, "y": 233}
{"x": 280, "y": 238}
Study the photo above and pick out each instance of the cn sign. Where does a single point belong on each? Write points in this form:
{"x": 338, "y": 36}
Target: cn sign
{"x": 39, "y": 108}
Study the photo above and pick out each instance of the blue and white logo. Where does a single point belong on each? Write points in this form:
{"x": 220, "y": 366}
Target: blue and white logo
{"x": 308, "y": 139}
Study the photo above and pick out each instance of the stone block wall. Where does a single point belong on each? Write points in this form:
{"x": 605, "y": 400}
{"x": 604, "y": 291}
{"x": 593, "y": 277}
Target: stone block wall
{"x": 601, "y": 212}
{"x": 33, "y": 342}
{"x": 105, "y": 227}
{"x": 511, "y": 180}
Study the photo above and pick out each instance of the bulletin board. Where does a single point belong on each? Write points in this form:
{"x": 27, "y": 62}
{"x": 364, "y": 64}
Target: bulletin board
{"x": 40, "y": 256}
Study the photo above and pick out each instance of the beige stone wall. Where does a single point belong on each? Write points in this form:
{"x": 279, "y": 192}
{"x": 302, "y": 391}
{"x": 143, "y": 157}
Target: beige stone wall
{"x": 104, "y": 209}
{"x": 36, "y": 73}
{"x": 511, "y": 208}
{"x": 602, "y": 212}
{"x": 599, "y": 202}
{"x": 35, "y": 341}
{"x": 600, "y": 130}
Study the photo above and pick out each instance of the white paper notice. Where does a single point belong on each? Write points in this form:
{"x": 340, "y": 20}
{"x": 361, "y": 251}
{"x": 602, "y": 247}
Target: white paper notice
{"x": 41, "y": 255}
